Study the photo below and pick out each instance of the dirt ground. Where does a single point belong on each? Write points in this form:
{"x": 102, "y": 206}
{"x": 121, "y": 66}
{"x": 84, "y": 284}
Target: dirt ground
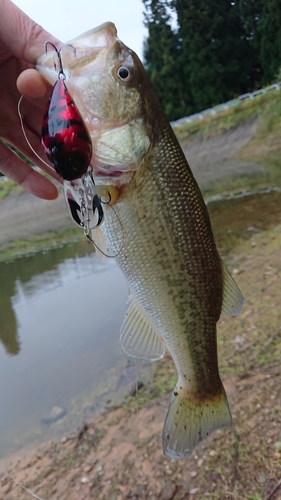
{"x": 119, "y": 455}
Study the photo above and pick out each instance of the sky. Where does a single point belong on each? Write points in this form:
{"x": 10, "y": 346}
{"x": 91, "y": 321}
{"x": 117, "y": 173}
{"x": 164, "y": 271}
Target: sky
{"x": 67, "y": 19}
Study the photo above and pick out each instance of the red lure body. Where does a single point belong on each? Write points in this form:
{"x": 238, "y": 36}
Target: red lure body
{"x": 65, "y": 138}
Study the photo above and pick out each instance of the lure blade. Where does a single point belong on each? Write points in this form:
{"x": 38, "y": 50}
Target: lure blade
{"x": 65, "y": 138}
{"x": 83, "y": 202}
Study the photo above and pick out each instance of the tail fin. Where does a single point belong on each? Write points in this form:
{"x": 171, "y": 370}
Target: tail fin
{"x": 189, "y": 421}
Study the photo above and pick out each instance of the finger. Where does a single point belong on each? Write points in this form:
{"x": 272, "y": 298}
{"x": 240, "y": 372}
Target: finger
{"x": 32, "y": 85}
{"x": 29, "y": 144}
{"x": 28, "y": 140}
{"x": 33, "y": 152}
{"x": 18, "y": 171}
{"x": 31, "y": 109}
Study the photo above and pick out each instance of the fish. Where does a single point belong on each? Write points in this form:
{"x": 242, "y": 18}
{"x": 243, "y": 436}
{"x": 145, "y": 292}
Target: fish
{"x": 179, "y": 285}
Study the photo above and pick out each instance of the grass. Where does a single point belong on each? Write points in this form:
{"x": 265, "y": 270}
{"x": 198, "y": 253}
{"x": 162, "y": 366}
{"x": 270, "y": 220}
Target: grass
{"x": 257, "y": 339}
{"x": 267, "y": 108}
{"x": 163, "y": 382}
{"x": 40, "y": 242}
{"x": 8, "y": 187}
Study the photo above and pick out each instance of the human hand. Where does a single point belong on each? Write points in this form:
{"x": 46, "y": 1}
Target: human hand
{"x": 21, "y": 42}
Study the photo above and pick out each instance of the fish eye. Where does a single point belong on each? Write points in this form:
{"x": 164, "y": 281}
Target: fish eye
{"x": 125, "y": 73}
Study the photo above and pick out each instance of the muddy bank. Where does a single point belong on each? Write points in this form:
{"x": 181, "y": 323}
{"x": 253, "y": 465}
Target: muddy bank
{"x": 212, "y": 158}
{"x": 23, "y": 216}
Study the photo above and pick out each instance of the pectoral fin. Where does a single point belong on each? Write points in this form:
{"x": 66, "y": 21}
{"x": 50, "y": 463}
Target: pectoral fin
{"x": 232, "y": 296}
{"x": 99, "y": 243}
{"x": 138, "y": 337}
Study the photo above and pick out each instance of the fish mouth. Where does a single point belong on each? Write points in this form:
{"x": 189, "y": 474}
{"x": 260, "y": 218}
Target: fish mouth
{"x": 85, "y": 55}
{"x": 101, "y": 36}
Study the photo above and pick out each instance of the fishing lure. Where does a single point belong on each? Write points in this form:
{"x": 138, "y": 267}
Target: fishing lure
{"x": 65, "y": 138}
{"x": 67, "y": 144}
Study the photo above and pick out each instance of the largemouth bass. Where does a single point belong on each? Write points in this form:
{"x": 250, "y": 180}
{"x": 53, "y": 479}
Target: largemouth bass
{"x": 157, "y": 225}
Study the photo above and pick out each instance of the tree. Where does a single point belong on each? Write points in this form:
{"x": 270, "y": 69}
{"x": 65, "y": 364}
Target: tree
{"x": 221, "y": 49}
{"x": 262, "y": 19}
{"x": 161, "y": 59}
{"x": 217, "y": 58}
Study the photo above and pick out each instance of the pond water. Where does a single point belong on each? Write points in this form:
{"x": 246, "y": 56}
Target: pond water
{"x": 60, "y": 315}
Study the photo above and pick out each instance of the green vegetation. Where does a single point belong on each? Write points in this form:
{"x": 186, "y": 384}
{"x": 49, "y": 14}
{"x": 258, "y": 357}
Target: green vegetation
{"x": 266, "y": 107}
{"x": 218, "y": 50}
{"x": 162, "y": 382}
{"x": 8, "y": 187}
{"x": 39, "y": 242}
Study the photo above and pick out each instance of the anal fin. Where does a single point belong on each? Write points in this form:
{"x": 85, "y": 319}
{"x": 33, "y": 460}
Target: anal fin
{"x": 138, "y": 337}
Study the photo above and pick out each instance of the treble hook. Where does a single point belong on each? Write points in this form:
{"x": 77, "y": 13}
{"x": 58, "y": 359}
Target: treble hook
{"x": 58, "y": 52}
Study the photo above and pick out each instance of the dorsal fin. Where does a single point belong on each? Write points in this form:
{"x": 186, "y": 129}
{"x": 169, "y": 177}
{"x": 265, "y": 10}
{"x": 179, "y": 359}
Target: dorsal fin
{"x": 138, "y": 337}
{"x": 232, "y": 296}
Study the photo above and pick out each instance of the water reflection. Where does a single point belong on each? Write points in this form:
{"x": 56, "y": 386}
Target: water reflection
{"x": 27, "y": 273}
{"x": 60, "y": 313}
{"x": 8, "y": 325}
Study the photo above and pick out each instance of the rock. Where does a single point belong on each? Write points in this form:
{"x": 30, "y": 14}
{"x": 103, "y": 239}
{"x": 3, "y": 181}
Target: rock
{"x": 88, "y": 468}
{"x": 56, "y": 413}
{"x": 236, "y": 271}
{"x": 193, "y": 491}
{"x": 168, "y": 491}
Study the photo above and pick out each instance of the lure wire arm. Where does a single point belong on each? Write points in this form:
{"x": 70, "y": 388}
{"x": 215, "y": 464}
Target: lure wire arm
{"x": 25, "y": 135}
